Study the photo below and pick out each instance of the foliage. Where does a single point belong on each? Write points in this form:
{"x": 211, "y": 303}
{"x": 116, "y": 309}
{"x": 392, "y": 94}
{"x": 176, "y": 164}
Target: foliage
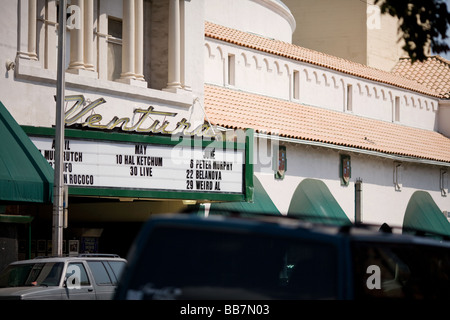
{"x": 423, "y": 24}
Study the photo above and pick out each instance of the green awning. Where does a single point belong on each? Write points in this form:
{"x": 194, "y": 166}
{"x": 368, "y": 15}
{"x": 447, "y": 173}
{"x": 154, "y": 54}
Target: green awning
{"x": 25, "y": 175}
{"x": 9, "y": 218}
{"x": 424, "y": 216}
{"x": 262, "y": 204}
{"x": 313, "y": 201}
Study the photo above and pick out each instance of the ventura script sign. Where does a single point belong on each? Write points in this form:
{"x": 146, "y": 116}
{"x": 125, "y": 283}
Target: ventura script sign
{"x": 82, "y": 113}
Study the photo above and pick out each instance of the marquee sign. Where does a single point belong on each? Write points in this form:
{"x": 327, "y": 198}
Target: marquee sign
{"x": 144, "y": 166}
{"x": 144, "y": 157}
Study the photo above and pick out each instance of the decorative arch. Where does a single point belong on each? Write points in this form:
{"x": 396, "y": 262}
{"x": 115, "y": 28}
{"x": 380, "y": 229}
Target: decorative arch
{"x": 383, "y": 94}
{"x": 257, "y": 65}
{"x": 305, "y": 71}
{"x": 391, "y": 96}
{"x": 266, "y": 63}
{"x": 316, "y": 77}
{"x": 367, "y": 90}
{"x": 325, "y": 79}
{"x": 375, "y": 92}
{"x": 286, "y": 67}
{"x": 245, "y": 59}
{"x": 209, "y": 53}
{"x": 359, "y": 88}
{"x": 335, "y": 82}
{"x": 221, "y": 53}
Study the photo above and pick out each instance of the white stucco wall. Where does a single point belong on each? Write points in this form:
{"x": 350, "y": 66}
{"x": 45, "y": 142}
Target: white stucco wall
{"x": 28, "y": 91}
{"x": 268, "y": 18}
{"x": 381, "y": 202}
{"x": 271, "y": 75}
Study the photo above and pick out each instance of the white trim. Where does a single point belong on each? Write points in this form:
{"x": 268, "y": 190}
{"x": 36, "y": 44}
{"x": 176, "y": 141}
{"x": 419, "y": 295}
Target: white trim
{"x": 32, "y": 71}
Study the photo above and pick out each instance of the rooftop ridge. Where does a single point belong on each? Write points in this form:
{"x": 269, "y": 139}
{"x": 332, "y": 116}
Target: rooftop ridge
{"x": 238, "y": 109}
{"x": 295, "y": 52}
{"x": 434, "y": 73}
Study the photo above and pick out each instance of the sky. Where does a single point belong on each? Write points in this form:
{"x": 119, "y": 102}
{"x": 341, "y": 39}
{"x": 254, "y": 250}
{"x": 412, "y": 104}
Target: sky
{"x": 447, "y": 55}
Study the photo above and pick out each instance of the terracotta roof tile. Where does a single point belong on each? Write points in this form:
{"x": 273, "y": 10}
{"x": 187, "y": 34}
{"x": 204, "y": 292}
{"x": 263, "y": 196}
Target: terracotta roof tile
{"x": 434, "y": 73}
{"x": 298, "y": 53}
{"x": 239, "y": 110}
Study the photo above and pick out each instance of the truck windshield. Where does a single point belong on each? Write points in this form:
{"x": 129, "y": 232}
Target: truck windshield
{"x": 188, "y": 263}
{"x": 32, "y": 274}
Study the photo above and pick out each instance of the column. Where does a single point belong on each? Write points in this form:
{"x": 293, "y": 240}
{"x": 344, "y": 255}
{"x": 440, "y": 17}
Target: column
{"x": 139, "y": 40}
{"x": 174, "y": 45}
{"x": 128, "y": 40}
{"x": 89, "y": 35}
{"x": 32, "y": 20}
{"x": 51, "y": 34}
{"x": 185, "y": 19}
{"x": 76, "y": 41}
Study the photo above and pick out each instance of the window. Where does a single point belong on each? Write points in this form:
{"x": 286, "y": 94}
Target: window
{"x": 402, "y": 271}
{"x": 37, "y": 274}
{"x": 216, "y": 262}
{"x": 117, "y": 267}
{"x": 345, "y": 169}
{"x": 77, "y": 272}
{"x": 397, "y": 109}
{"x": 349, "y": 101}
{"x": 101, "y": 276}
{"x": 444, "y": 182}
{"x": 280, "y": 162}
{"x": 296, "y": 85}
{"x": 114, "y": 48}
{"x": 398, "y": 170}
{"x": 231, "y": 69}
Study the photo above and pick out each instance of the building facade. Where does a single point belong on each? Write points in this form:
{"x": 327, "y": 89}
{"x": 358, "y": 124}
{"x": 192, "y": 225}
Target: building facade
{"x": 376, "y": 139}
{"x": 136, "y": 142}
{"x": 157, "y": 96}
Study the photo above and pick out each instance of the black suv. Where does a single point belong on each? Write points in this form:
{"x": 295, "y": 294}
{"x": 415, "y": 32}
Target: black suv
{"x": 184, "y": 256}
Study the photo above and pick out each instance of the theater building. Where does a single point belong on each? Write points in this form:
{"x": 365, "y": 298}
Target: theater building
{"x": 176, "y": 104}
{"x": 136, "y": 139}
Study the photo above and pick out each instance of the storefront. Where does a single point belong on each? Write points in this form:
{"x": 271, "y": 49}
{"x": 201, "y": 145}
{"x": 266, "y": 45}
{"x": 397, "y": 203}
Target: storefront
{"x": 26, "y": 179}
{"x": 119, "y": 175}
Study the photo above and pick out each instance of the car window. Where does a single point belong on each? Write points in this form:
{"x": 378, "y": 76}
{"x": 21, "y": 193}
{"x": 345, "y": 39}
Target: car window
{"x": 101, "y": 276}
{"x": 76, "y": 274}
{"x": 401, "y": 271}
{"x": 117, "y": 267}
{"x": 215, "y": 264}
{"x": 33, "y": 274}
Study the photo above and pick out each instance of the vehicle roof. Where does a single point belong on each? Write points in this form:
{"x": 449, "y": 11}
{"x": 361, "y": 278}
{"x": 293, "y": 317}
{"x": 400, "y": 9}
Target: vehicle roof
{"x": 81, "y": 257}
{"x": 273, "y": 224}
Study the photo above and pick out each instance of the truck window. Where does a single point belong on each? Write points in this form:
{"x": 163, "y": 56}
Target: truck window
{"x": 401, "y": 271}
{"x": 77, "y": 272}
{"x": 219, "y": 264}
{"x": 117, "y": 268}
{"x": 99, "y": 272}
